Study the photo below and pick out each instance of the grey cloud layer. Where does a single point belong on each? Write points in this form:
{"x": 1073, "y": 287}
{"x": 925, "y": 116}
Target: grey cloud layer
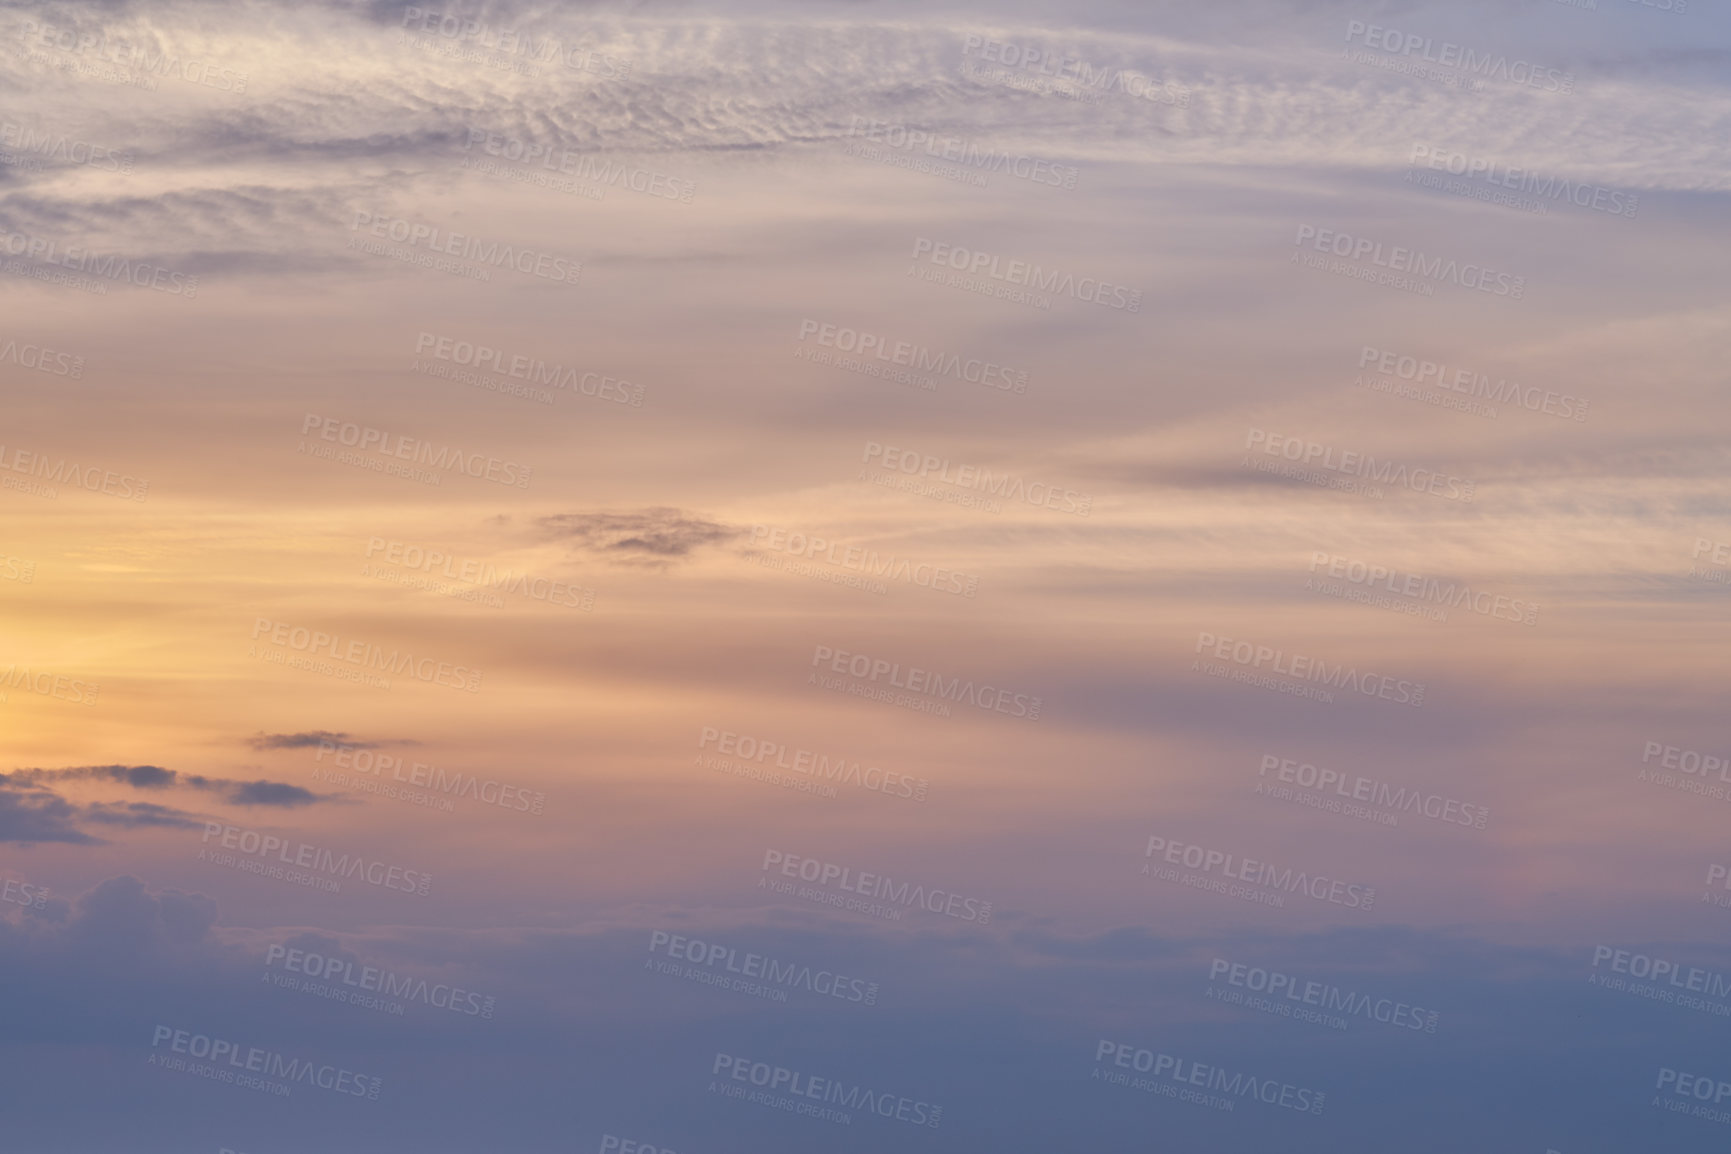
{"x": 32, "y": 809}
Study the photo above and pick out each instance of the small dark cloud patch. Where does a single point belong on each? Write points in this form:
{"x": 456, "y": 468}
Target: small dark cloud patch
{"x": 306, "y": 740}
{"x": 142, "y": 776}
{"x": 269, "y": 793}
{"x": 653, "y": 536}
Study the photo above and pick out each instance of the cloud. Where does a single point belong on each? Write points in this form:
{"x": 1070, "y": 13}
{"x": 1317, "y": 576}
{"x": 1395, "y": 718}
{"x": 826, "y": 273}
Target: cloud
{"x": 305, "y": 740}
{"x": 155, "y": 777}
{"x": 650, "y": 535}
{"x": 137, "y": 776}
{"x": 31, "y": 815}
{"x": 32, "y": 810}
{"x": 140, "y": 776}
{"x": 270, "y": 793}
{"x": 120, "y": 915}
{"x": 951, "y": 1019}
{"x": 138, "y": 814}
{"x": 268, "y": 189}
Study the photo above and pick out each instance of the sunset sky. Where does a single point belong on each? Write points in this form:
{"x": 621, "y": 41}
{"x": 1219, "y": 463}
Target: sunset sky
{"x": 1180, "y": 469}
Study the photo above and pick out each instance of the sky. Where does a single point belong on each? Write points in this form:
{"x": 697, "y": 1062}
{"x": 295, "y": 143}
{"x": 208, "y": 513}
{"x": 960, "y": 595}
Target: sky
{"x": 762, "y": 577}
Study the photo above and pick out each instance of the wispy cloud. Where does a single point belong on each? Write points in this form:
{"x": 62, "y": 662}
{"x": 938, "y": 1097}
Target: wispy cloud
{"x": 654, "y": 536}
